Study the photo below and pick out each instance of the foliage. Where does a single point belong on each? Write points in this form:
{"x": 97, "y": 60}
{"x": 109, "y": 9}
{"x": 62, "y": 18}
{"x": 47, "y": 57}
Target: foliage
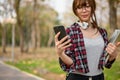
{"x": 26, "y": 16}
{"x": 45, "y": 21}
{"x": 48, "y": 18}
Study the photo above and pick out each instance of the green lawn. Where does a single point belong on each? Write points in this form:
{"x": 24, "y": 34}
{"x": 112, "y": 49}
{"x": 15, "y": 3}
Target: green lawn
{"x": 49, "y": 63}
{"x": 31, "y": 66}
{"x": 114, "y": 72}
{"x": 43, "y": 61}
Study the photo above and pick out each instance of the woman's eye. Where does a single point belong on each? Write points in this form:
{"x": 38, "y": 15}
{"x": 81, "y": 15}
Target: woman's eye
{"x": 88, "y": 6}
{"x": 79, "y": 7}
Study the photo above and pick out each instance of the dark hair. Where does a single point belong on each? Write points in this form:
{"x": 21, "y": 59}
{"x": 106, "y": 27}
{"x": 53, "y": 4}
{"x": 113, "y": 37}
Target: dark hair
{"x": 92, "y": 4}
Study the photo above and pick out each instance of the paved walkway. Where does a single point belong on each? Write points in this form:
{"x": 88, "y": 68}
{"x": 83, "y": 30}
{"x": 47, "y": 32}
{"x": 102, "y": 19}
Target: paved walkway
{"x": 11, "y": 73}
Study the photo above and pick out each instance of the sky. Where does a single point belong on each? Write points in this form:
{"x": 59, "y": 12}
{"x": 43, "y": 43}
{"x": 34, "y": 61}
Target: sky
{"x": 60, "y": 6}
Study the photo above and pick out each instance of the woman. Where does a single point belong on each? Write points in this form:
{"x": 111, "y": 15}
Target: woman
{"x": 83, "y": 55}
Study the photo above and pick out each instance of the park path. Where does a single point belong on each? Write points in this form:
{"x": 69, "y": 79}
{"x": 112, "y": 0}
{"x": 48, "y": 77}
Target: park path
{"x": 8, "y": 72}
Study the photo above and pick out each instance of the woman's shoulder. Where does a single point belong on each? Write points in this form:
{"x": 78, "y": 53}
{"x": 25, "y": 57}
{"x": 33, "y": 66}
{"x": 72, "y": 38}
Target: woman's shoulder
{"x": 73, "y": 26}
{"x": 102, "y": 30}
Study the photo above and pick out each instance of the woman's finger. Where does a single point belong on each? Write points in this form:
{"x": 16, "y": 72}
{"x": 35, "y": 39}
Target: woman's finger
{"x": 57, "y": 43}
{"x": 109, "y": 50}
{"x": 56, "y": 36}
{"x": 111, "y": 46}
{"x": 118, "y": 44}
{"x": 67, "y": 46}
{"x": 66, "y": 42}
{"x": 63, "y": 39}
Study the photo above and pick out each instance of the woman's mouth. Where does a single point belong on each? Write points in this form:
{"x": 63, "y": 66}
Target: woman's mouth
{"x": 84, "y": 16}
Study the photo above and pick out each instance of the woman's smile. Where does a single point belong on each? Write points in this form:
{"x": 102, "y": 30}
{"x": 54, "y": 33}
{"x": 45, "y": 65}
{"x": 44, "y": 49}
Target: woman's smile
{"x": 84, "y": 16}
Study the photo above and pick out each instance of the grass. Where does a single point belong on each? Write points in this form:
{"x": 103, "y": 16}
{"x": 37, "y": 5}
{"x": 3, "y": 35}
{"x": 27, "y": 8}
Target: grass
{"x": 29, "y": 65}
{"x": 114, "y": 72}
{"x": 46, "y": 60}
{"x": 25, "y": 65}
{"x": 39, "y": 67}
{"x": 41, "y": 62}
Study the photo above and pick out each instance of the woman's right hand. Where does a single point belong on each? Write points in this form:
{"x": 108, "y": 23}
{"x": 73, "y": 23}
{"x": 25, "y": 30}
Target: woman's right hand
{"x": 62, "y": 44}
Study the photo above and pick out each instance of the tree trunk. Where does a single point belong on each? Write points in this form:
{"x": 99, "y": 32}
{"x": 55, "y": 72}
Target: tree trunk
{"x": 21, "y": 40}
{"x": 113, "y": 15}
{"x": 33, "y": 36}
{"x": 38, "y": 34}
{"x": 17, "y": 6}
{"x": 1, "y": 34}
{"x": 4, "y": 39}
{"x": 50, "y": 37}
{"x": 35, "y": 27}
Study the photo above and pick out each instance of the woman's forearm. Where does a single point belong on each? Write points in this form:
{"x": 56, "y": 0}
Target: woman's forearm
{"x": 66, "y": 59}
{"x": 111, "y": 58}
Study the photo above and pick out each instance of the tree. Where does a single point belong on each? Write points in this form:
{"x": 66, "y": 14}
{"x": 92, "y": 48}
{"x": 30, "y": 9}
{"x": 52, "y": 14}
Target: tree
{"x": 17, "y": 7}
{"x": 48, "y": 17}
{"x": 113, "y": 14}
{"x": 35, "y": 35}
{"x": 4, "y": 39}
{"x": 4, "y": 15}
{"x": 0, "y": 33}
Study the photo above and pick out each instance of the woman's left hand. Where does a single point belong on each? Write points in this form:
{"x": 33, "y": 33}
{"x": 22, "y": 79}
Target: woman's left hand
{"x": 112, "y": 50}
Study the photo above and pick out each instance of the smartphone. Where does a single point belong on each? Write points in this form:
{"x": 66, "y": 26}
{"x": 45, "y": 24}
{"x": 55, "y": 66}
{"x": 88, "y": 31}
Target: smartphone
{"x": 60, "y": 29}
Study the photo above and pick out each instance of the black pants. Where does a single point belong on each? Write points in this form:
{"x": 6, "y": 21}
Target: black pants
{"x": 73, "y": 76}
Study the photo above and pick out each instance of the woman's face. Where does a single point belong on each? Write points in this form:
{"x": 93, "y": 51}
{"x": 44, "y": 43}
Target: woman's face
{"x": 84, "y": 13}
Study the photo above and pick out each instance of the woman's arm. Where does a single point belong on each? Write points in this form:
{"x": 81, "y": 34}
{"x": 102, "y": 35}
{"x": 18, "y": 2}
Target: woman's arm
{"x": 60, "y": 49}
{"x": 66, "y": 59}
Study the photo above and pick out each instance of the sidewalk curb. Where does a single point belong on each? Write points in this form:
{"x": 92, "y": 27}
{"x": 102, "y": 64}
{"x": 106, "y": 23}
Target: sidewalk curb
{"x": 15, "y": 68}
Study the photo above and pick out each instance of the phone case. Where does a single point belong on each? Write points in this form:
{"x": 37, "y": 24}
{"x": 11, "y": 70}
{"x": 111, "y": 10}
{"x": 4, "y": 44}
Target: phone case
{"x": 60, "y": 29}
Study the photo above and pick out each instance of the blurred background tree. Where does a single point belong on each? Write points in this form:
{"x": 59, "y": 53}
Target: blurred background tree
{"x": 36, "y": 18}
{"x": 113, "y": 5}
{"x": 34, "y": 24}
{"x": 34, "y": 32}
